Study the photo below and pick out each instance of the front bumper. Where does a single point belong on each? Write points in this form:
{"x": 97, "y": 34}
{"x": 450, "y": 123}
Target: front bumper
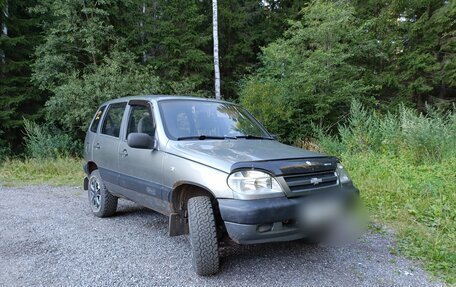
{"x": 275, "y": 219}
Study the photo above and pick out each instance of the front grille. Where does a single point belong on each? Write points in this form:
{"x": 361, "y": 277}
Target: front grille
{"x": 311, "y": 181}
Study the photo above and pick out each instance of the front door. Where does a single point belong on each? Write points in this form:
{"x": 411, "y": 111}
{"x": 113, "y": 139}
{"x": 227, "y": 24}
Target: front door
{"x": 141, "y": 169}
{"x": 106, "y": 145}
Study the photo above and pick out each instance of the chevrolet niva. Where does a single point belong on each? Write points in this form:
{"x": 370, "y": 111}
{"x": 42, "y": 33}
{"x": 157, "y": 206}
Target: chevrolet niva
{"x": 214, "y": 170}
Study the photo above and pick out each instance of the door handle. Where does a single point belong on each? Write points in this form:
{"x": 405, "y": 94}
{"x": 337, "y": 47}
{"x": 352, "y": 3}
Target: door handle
{"x": 124, "y": 153}
{"x": 97, "y": 146}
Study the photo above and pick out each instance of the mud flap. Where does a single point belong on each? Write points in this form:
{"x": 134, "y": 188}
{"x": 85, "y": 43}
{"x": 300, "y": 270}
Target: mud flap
{"x": 177, "y": 225}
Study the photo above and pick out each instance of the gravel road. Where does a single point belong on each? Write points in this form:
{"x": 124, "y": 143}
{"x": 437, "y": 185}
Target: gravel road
{"x": 48, "y": 237}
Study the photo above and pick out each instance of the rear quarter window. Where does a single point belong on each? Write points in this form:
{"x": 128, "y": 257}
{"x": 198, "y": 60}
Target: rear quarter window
{"x": 97, "y": 119}
{"x": 113, "y": 119}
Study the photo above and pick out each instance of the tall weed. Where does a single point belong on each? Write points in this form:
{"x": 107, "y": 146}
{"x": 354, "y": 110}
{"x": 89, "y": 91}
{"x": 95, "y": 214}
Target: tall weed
{"x": 428, "y": 138}
{"x": 417, "y": 137}
{"x": 45, "y": 141}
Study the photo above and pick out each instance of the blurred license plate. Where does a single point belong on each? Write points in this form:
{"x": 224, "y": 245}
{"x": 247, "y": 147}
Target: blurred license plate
{"x": 320, "y": 212}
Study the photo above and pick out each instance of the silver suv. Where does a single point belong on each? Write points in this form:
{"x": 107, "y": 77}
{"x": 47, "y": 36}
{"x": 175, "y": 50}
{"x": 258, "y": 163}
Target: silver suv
{"x": 213, "y": 170}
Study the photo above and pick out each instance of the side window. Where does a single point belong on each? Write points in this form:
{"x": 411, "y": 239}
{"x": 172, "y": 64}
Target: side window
{"x": 140, "y": 121}
{"x": 97, "y": 118}
{"x": 113, "y": 119}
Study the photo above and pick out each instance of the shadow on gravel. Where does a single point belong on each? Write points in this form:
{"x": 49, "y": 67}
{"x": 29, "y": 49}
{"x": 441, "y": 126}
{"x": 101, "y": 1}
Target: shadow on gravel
{"x": 133, "y": 211}
{"x": 276, "y": 251}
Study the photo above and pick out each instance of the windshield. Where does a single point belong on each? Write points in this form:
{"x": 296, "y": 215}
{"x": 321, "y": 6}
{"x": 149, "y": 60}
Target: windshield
{"x": 194, "y": 119}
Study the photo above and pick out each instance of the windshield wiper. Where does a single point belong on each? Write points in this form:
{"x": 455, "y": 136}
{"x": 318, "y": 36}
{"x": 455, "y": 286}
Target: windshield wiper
{"x": 252, "y": 137}
{"x": 204, "y": 137}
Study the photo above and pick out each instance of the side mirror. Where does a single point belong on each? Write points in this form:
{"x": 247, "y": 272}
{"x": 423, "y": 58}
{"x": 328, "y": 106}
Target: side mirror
{"x": 141, "y": 140}
{"x": 274, "y": 136}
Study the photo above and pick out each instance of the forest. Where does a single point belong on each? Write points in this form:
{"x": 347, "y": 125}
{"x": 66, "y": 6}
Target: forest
{"x": 292, "y": 63}
{"x": 370, "y": 81}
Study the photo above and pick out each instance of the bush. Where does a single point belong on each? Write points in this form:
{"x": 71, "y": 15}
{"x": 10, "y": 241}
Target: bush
{"x": 419, "y": 138}
{"x": 46, "y": 142}
{"x": 75, "y": 102}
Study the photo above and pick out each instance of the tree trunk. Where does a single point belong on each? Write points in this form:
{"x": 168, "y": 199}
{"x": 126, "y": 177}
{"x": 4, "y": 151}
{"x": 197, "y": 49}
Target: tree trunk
{"x": 4, "y": 29}
{"x": 216, "y": 51}
{"x": 143, "y": 34}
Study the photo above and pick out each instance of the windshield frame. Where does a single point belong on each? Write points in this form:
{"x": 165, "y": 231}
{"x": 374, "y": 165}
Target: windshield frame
{"x": 247, "y": 113}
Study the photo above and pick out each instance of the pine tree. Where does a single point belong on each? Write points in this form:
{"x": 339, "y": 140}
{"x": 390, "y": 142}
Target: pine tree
{"x": 412, "y": 50}
{"x": 18, "y": 97}
{"x": 173, "y": 38}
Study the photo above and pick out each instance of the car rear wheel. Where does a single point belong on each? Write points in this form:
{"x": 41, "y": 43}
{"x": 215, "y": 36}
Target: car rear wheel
{"x": 101, "y": 201}
{"x": 203, "y": 235}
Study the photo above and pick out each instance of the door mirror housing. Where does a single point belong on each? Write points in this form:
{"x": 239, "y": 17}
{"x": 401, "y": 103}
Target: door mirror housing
{"x": 141, "y": 140}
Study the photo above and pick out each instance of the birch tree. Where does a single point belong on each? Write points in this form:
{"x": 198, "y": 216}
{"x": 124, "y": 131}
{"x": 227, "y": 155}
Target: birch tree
{"x": 216, "y": 51}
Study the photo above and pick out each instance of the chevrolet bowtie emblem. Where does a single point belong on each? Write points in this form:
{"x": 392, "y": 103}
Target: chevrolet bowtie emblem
{"x": 315, "y": 180}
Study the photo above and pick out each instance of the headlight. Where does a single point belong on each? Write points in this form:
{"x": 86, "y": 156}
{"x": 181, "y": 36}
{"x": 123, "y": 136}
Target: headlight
{"x": 254, "y": 184}
{"x": 343, "y": 174}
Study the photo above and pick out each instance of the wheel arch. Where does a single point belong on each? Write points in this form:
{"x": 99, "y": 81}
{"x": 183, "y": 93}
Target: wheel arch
{"x": 184, "y": 190}
{"x": 180, "y": 194}
{"x": 88, "y": 168}
{"x": 91, "y": 166}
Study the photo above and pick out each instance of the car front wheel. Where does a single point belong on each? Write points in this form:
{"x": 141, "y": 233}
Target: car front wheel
{"x": 203, "y": 235}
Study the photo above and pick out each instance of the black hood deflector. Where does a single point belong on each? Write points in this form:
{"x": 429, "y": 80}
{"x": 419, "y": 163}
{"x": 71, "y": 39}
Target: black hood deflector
{"x": 281, "y": 167}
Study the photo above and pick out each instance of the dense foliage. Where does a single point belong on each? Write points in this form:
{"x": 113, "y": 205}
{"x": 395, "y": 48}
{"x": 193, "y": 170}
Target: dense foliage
{"x": 75, "y": 54}
{"x": 292, "y": 63}
{"x": 381, "y": 54}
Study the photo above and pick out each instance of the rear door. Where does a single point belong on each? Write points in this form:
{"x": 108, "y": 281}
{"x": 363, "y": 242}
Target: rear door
{"x": 141, "y": 169}
{"x": 106, "y": 145}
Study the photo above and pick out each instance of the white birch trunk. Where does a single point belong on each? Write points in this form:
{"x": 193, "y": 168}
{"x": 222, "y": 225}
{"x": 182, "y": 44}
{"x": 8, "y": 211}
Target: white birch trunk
{"x": 216, "y": 50}
{"x": 143, "y": 34}
{"x": 4, "y": 29}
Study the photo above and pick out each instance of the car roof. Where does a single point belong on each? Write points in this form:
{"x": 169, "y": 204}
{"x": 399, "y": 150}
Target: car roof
{"x": 162, "y": 97}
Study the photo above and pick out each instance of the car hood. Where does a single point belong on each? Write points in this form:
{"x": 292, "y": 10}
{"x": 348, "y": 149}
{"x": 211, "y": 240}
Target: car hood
{"x": 222, "y": 154}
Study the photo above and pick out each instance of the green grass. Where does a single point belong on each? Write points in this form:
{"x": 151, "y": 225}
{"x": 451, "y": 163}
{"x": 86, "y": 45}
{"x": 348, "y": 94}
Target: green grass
{"x": 60, "y": 171}
{"x": 418, "y": 201}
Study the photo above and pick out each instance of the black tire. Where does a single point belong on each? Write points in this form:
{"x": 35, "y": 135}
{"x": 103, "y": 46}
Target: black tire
{"x": 101, "y": 201}
{"x": 203, "y": 235}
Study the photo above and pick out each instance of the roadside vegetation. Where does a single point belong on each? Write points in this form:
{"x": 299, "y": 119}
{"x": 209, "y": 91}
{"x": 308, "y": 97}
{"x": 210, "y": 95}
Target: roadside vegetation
{"x": 50, "y": 157}
{"x": 30, "y": 171}
{"x": 404, "y": 163}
